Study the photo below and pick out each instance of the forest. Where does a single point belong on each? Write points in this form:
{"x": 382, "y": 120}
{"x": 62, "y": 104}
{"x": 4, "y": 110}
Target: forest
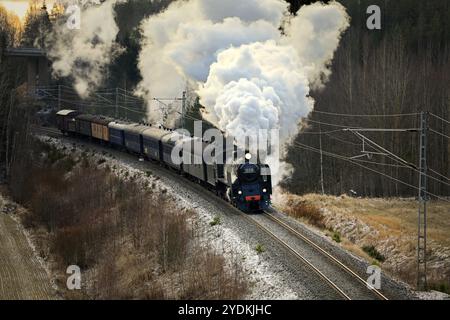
{"x": 380, "y": 79}
{"x": 402, "y": 69}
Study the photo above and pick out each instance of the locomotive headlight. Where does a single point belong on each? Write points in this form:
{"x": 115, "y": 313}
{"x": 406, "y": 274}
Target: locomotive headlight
{"x": 248, "y": 156}
{"x": 264, "y": 190}
{"x": 239, "y": 192}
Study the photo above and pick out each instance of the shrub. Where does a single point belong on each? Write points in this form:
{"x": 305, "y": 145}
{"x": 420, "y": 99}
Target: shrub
{"x": 374, "y": 253}
{"x": 215, "y": 221}
{"x": 336, "y": 236}
{"x": 306, "y": 211}
{"x": 440, "y": 286}
{"x": 67, "y": 164}
{"x": 98, "y": 220}
{"x": 259, "y": 248}
{"x": 208, "y": 277}
{"x": 54, "y": 155}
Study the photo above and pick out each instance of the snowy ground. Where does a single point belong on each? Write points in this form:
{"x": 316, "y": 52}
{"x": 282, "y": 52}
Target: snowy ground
{"x": 266, "y": 283}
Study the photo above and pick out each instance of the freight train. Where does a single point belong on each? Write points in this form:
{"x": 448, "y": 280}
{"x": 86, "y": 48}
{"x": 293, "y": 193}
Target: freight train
{"x": 246, "y": 185}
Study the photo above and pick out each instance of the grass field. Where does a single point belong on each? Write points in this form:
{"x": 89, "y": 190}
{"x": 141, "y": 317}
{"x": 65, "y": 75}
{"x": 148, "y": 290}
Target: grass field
{"x": 383, "y": 231}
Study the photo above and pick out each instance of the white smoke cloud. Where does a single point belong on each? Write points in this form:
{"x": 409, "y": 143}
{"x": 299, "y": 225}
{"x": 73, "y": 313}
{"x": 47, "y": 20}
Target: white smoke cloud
{"x": 83, "y": 54}
{"x": 182, "y": 42}
{"x": 247, "y": 74}
{"x": 315, "y": 33}
{"x": 256, "y": 86}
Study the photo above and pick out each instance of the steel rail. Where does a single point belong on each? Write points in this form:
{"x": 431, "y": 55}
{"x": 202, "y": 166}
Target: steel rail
{"x": 298, "y": 256}
{"x": 325, "y": 253}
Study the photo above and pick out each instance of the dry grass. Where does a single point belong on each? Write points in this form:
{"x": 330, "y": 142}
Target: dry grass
{"x": 306, "y": 211}
{"x": 390, "y": 216}
{"x": 389, "y": 225}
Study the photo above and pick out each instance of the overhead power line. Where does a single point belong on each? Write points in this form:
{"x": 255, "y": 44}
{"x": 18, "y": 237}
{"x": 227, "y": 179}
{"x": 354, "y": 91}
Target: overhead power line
{"x": 439, "y": 174}
{"x": 366, "y": 115}
{"x": 333, "y": 155}
{"x": 439, "y": 133}
{"x": 440, "y": 118}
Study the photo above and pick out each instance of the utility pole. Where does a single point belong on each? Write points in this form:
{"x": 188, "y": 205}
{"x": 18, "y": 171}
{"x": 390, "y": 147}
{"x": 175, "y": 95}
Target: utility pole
{"x": 321, "y": 160}
{"x": 59, "y": 97}
{"x": 117, "y": 102}
{"x": 422, "y": 199}
{"x": 183, "y": 108}
{"x": 422, "y": 212}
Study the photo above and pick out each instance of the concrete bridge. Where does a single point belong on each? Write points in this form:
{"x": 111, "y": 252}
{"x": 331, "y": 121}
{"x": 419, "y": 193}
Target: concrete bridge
{"x": 38, "y": 66}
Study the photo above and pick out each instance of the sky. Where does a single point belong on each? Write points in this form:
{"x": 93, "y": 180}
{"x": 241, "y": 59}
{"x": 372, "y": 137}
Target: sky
{"x": 19, "y": 7}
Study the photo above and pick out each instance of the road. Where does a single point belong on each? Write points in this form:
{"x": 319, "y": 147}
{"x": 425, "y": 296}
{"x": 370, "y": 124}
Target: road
{"x": 22, "y": 277}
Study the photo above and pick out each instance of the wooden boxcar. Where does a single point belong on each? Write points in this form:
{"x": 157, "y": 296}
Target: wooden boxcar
{"x": 100, "y": 128}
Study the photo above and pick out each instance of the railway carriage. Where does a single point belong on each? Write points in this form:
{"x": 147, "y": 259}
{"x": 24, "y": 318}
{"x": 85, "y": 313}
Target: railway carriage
{"x": 65, "y": 120}
{"x": 83, "y": 124}
{"x": 195, "y": 165}
{"x": 117, "y": 133}
{"x": 133, "y": 137}
{"x": 100, "y": 128}
{"x": 151, "y": 140}
{"x": 168, "y": 142}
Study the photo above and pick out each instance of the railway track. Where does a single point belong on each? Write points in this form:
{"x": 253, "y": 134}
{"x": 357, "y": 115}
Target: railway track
{"x": 327, "y": 255}
{"x": 300, "y": 257}
{"x": 46, "y": 130}
{"x": 294, "y": 246}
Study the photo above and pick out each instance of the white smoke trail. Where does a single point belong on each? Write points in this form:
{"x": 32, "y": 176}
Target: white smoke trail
{"x": 85, "y": 53}
{"x": 247, "y": 74}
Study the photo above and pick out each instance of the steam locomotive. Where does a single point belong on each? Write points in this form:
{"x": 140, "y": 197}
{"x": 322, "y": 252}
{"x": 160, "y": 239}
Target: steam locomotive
{"x": 246, "y": 185}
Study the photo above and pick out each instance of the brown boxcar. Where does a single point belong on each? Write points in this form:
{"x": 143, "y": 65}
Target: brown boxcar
{"x": 100, "y": 127}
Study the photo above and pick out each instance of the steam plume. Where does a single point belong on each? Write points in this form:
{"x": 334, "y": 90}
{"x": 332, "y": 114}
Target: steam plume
{"x": 83, "y": 54}
{"x": 247, "y": 74}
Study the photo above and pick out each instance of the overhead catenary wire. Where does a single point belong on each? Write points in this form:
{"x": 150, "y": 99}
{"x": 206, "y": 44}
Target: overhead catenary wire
{"x": 366, "y": 115}
{"x": 439, "y": 133}
{"x": 322, "y": 132}
{"x": 343, "y": 141}
{"x": 438, "y": 117}
{"x": 396, "y": 158}
{"x": 439, "y": 174}
{"x": 330, "y": 124}
{"x": 306, "y": 147}
{"x": 384, "y": 151}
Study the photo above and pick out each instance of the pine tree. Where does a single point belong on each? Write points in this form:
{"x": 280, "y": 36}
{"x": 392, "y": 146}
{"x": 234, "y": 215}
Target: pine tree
{"x": 37, "y": 26}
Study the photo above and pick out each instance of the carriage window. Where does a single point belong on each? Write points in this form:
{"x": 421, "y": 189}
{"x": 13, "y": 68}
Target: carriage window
{"x": 220, "y": 170}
